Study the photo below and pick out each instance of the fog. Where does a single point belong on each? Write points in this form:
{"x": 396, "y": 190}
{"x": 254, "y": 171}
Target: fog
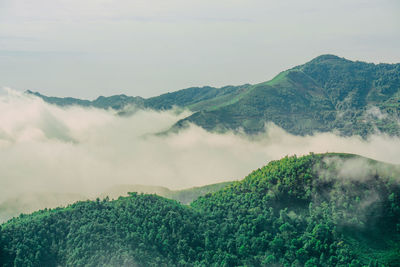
{"x": 355, "y": 187}
{"x": 45, "y": 148}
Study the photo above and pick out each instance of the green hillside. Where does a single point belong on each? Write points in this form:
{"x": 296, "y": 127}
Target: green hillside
{"x": 325, "y": 94}
{"x": 184, "y": 196}
{"x": 30, "y": 202}
{"x": 116, "y": 102}
{"x": 328, "y": 93}
{"x": 198, "y": 98}
{"x": 316, "y": 210}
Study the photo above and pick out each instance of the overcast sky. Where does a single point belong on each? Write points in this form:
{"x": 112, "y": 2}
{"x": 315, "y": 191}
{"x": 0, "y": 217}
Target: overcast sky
{"x": 86, "y": 48}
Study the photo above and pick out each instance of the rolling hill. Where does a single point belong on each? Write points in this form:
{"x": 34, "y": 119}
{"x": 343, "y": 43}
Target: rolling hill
{"x": 30, "y": 202}
{"x": 328, "y": 93}
{"x": 315, "y": 210}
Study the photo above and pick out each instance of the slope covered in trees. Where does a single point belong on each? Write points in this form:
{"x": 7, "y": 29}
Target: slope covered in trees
{"x": 328, "y": 93}
{"x": 316, "y": 210}
{"x": 325, "y": 94}
{"x": 30, "y": 202}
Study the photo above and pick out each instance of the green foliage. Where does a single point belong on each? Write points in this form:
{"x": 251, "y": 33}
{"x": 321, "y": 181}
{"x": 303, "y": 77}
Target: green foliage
{"x": 186, "y": 196}
{"x": 139, "y": 229}
{"x": 30, "y": 202}
{"x": 325, "y": 94}
{"x": 116, "y": 102}
{"x": 305, "y": 211}
{"x": 198, "y": 98}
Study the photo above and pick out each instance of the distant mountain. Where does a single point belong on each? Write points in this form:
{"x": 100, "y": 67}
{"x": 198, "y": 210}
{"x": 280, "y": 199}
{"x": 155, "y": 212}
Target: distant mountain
{"x": 116, "y": 102}
{"x": 316, "y": 210}
{"x": 184, "y": 196}
{"x": 328, "y": 93}
{"x": 325, "y": 94}
{"x": 194, "y": 98}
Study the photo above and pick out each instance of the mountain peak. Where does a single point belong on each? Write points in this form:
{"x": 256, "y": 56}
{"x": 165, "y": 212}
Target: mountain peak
{"x": 29, "y": 92}
{"x": 328, "y": 57}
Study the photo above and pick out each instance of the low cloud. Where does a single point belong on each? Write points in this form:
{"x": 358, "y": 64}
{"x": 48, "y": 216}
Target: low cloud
{"x": 353, "y": 169}
{"x": 45, "y": 148}
{"x": 375, "y": 113}
{"x": 357, "y": 186}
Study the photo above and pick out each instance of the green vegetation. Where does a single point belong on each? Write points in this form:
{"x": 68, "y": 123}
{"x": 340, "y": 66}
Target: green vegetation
{"x": 184, "y": 196}
{"x": 325, "y": 94}
{"x": 198, "y": 98}
{"x": 117, "y": 102}
{"x": 30, "y": 202}
{"x": 316, "y": 210}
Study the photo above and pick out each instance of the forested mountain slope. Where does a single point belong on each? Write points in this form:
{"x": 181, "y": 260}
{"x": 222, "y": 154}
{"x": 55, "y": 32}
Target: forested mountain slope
{"x": 328, "y": 93}
{"x": 325, "y": 94}
{"x": 316, "y": 210}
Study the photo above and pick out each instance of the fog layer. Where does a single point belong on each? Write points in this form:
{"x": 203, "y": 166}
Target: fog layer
{"x": 45, "y": 148}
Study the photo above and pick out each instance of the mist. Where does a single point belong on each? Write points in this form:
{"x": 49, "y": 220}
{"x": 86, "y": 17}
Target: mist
{"x": 357, "y": 187}
{"x": 46, "y": 148}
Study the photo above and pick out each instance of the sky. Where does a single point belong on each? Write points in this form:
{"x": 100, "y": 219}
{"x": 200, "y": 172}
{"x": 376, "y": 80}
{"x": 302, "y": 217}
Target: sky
{"x": 87, "y": 48}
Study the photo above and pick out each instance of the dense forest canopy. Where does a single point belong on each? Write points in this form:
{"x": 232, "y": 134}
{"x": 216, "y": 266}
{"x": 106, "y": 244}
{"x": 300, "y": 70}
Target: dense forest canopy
{"x": 30, "y": 202}
{"x": 315, "y": 210}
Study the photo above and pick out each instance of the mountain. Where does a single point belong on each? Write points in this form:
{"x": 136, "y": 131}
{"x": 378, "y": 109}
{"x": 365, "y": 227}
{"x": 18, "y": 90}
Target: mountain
{"x": 116, "y": 102}
{"x": 315, "y": 210}
{"x": 198, "y": 98}
{"x": 325, "y": 94}
{"x": 328, "y": 93}
{"x": 30, "y": 202}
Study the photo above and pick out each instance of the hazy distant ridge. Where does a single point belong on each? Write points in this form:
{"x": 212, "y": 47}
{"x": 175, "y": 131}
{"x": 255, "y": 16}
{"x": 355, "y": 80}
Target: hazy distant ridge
{"x": 328, "y": 93}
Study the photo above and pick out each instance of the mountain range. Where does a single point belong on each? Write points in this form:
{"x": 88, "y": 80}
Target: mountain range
{"x": 331, "y": 209}
{"x": 328, "y": 93}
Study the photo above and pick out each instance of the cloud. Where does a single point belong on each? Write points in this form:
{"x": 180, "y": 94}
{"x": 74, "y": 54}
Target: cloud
{"x": 45, "y": 148}
{"x": 375, "y": 113}
{"x": 352, "y": 184}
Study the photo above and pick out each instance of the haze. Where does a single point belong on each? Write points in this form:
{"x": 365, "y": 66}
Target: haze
{"x": 90, "y": 48}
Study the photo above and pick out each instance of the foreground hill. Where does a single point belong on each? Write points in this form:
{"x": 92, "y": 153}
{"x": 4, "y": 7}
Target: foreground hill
{"x": 328, "y": 93}
{"x": 30, "y": 202}
{"x": 316, "y": 210}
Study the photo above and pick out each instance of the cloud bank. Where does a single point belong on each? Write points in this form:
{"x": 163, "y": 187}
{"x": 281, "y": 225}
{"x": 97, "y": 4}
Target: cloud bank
{"x": 45, "y": 148}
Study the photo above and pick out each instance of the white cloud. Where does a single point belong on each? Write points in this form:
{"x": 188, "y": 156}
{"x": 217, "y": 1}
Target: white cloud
{"x": 44, "y": 148}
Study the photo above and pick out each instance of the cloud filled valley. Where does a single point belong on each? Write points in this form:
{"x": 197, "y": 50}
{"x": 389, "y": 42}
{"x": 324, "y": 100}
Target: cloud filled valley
{"x": 46, "y": 148}
{"x": 197, "y": 133}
